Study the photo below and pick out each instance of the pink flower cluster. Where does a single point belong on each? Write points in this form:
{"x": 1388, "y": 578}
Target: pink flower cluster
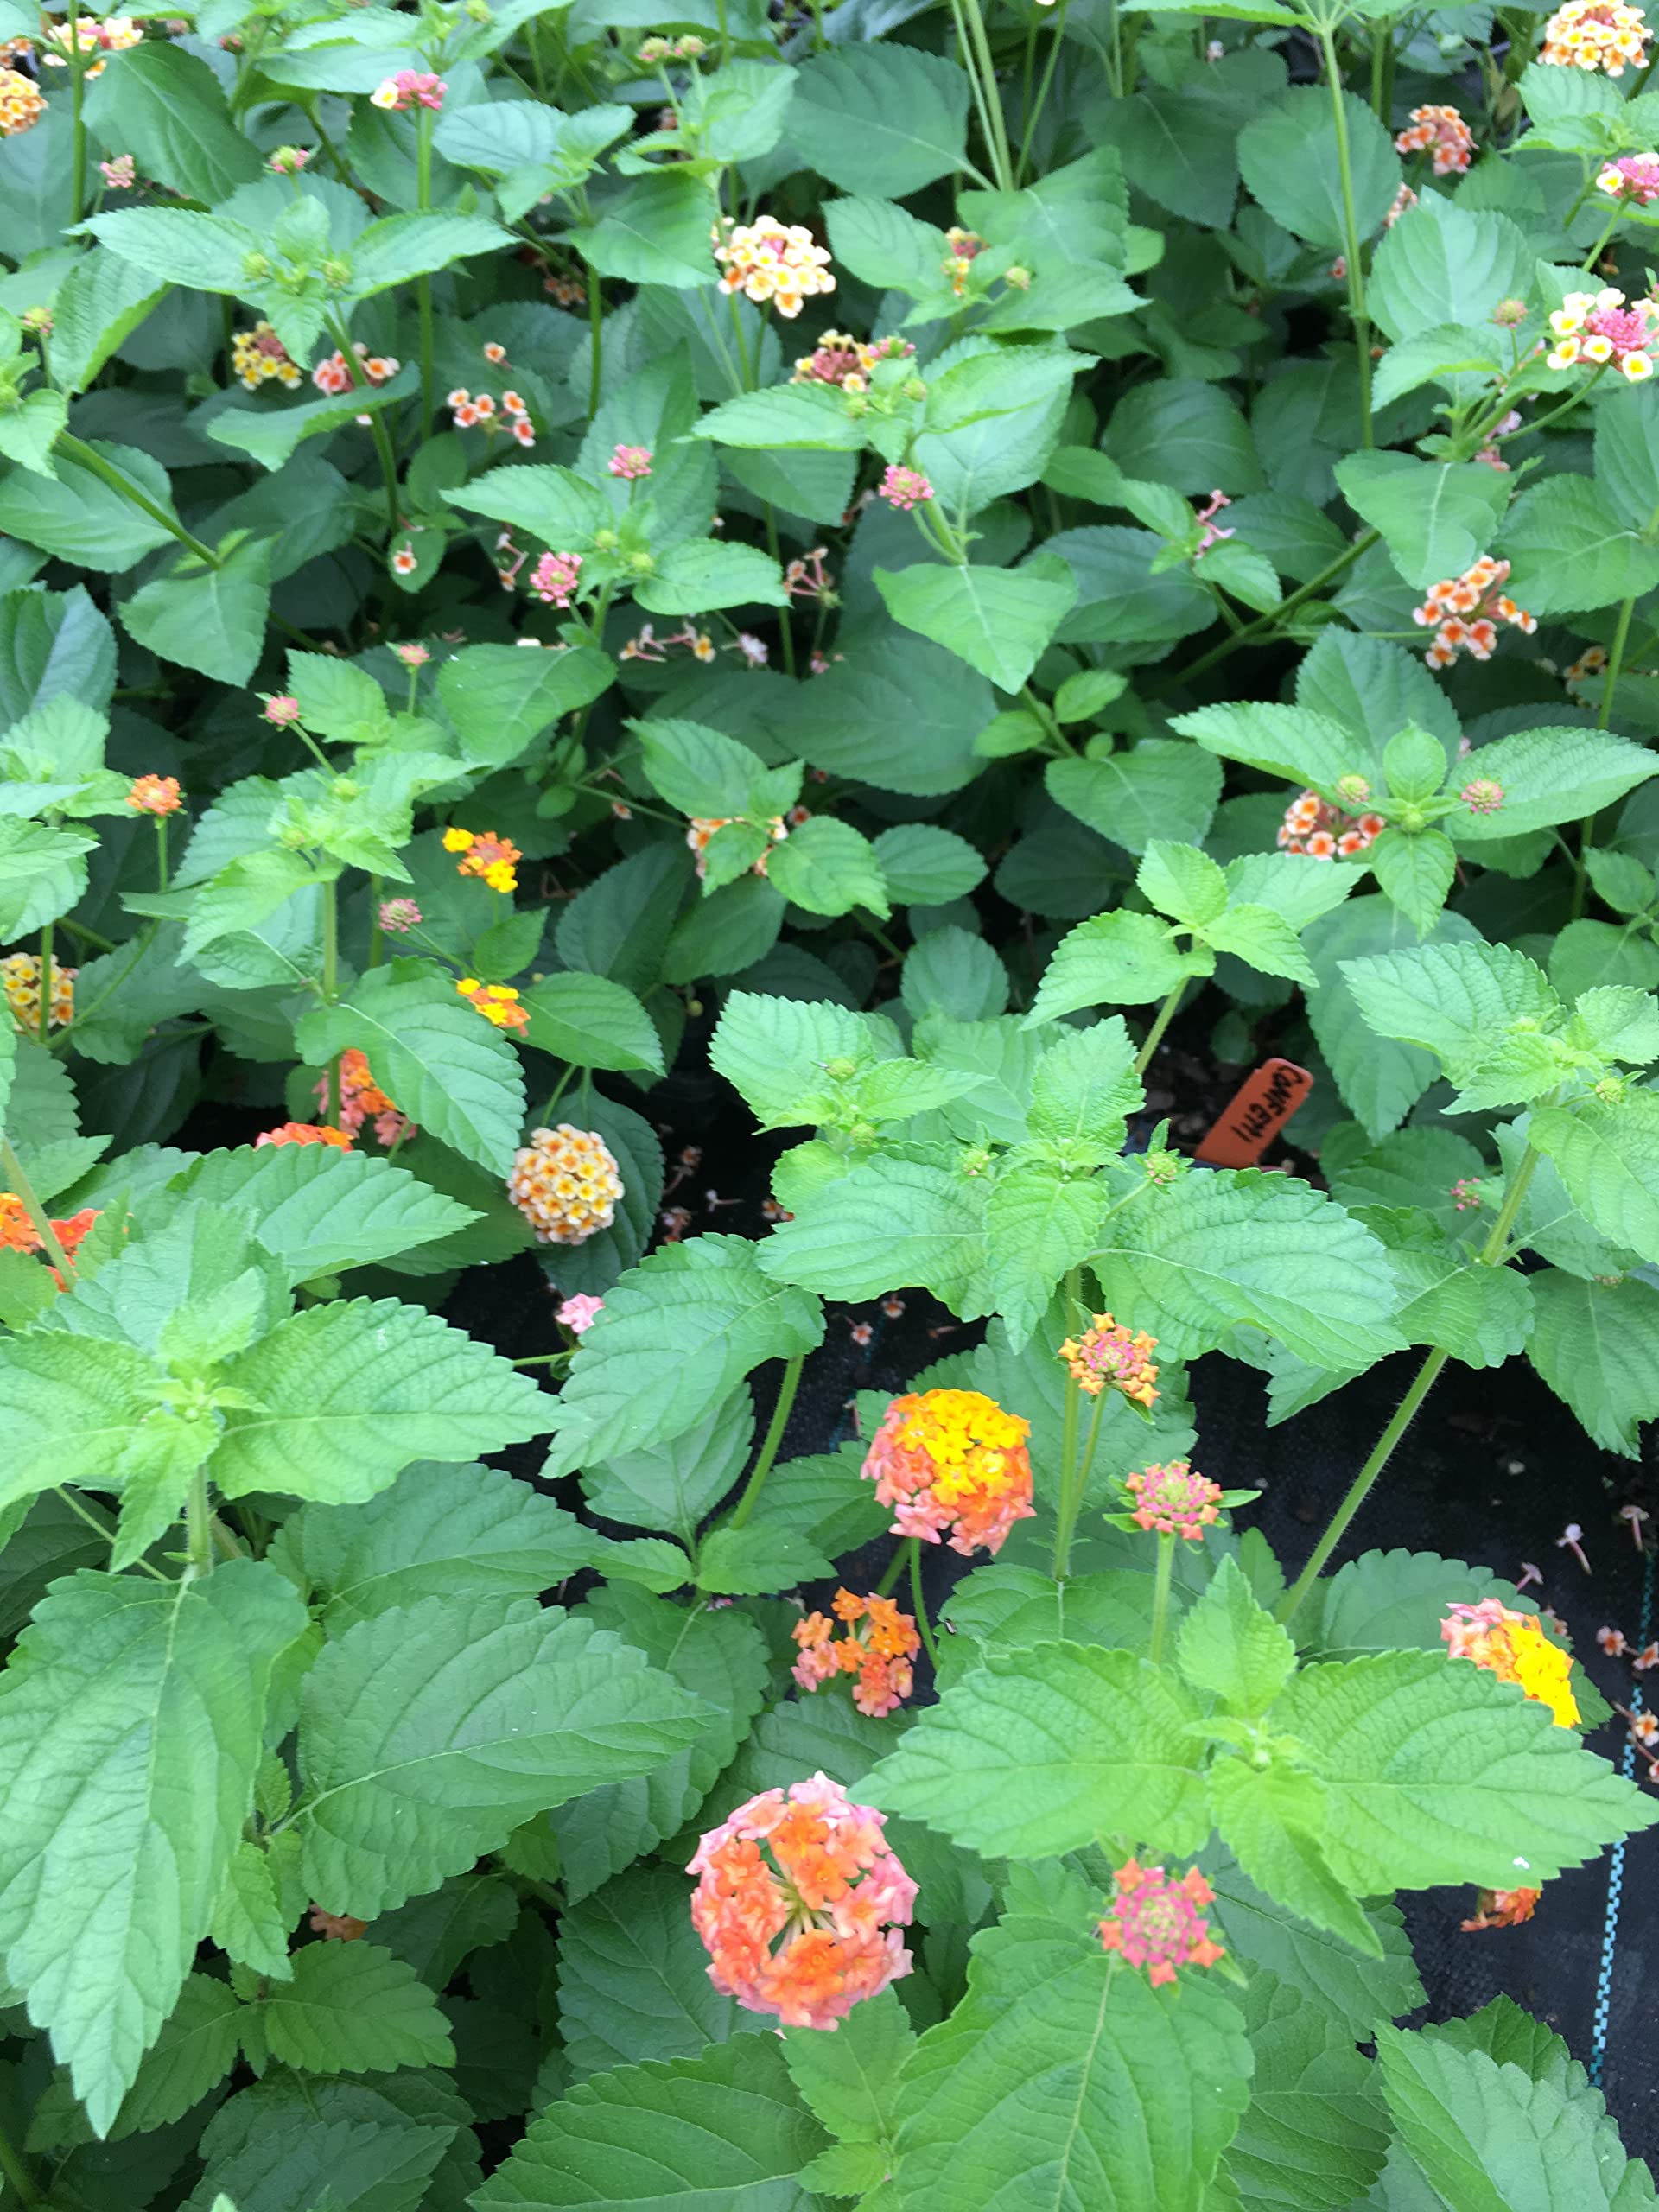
{"x": 409, "y": 88}
{"x": 1153, "y": 1920}
{"x": 629, "y": 462}
{"x": 1443, "y": 130}
{"x": 952, "y": 1463}
{"x": 1174, "y": 1501}
{"x": 579, "y": 1312}
{"x": 799, "y": 1902}
{"x": 1633, "y": 177}
{"x": 555, "y": 578}
{"x": 904, "y": 488}
{"x": 334, "y": 376}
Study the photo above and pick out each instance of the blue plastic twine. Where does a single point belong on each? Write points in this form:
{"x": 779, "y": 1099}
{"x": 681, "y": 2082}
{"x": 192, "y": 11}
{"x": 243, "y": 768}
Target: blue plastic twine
{"x": 1616, "y": 1871}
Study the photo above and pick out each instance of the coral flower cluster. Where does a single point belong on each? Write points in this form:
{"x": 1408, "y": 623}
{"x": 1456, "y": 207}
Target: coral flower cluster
{"x": 1513, "y": 1646}
{"x": 1153, "y": 1920}
{"x": 20, "y": 978}
{"x": 847, "y": 362}
{"x": 497, "y": 1003}
{"x": 1174, "y": 1501}
{"x": 1501, "y": 1908}
{"x": 361, "y": 1099}
{"x": 334, "y": 376}
{"x": 1478, "y": 594}
{"x": 1631, "y": 177}
{"x": 555, "y": 578}
{"x": 1596, "y": 35}
{"x": 480, "y": 410}
{"x": 1312, "y": 825}
{"x": 485, "y": 855}
{"x": 566, "y": 1183}
{"x": 21, "y": 104}
{"x": 19, "y": 1234}
{"x": 258, "y": 356}
{"x": 799, "y": 1902}
{"x": 876, "y": 1647}
{"x": 1107, "y": 1356}
{"x": 1602, "y": 326}
{"x": 951, "y": 1463}
{"x": 157, "y": 795}
{"x": 704, "y": 826}
{"x": 304, "y": 1133}
{"x": 630, "y": 463}
{"x": 767, "y": 260}
{"x": 1441, "y": 130}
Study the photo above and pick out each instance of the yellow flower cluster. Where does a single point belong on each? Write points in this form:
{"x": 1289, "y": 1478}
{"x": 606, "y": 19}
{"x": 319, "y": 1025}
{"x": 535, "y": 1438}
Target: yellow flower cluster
{"x": 769, "y": 261}
{"x": 259, "y": 355}
{"x": 565, "y": 1182}
{"x": 1513, "y": 1646}
{"x": 488, "y": 856}
{"x": 21, "y": 105}
{"x": 497, "y": 1003}
{"x": 19, "y": 977}
{"x": 1596, "y": 35}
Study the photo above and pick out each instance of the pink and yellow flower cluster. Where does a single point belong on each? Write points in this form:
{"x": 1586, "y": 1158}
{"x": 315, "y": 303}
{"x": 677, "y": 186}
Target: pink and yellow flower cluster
{"x": 1153, "y": 1920}
{"x": 773, "y": 263}
{"x": 952, "y": 1464}
{"x": 1605, "y": 326}
{"x": 1513, "y": 1646}
{"x": 1441, "y": 130}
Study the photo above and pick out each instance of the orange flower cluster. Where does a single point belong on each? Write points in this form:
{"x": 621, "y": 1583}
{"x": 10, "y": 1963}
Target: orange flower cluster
{"x": 19, "y": 1234}
{"x": 1445, "y": 130}
{"x": 1174, "y": 1501}
{"x": 1596, "y": 35}
{"x": 361, "y": 1098}
{"x": 497, "y": 1003}
{"x": 20, "y": 979}
{"x": 1324, "y": 832}
{"x": 1513, "y": 1646}
{"x": 566, "y": 1183}
{"x": 1106, "y": 1356}
{"x": 155, "y": 795}
{"x": 878, "y": 1646}
{"x": 799, "y": 1902}
{"x": 952, "y": 1463}
{"x": 1153, "y": 1920}
{"x": 304, "y": 1133}
{"x": 1501, "y": 1908}
{"x": 1476, "y": 592}
{"x": 487, "y": 855}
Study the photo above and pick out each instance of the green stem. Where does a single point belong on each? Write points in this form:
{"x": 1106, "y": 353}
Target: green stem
{"x": 596, "y": 334}
{"x": 745, "y": 368}
{"x": 23, "y": 1191}
{"x": 84, "y": 457}
{"x": 1382, "y": 73}
{"x": 1034, "y": 116}
{"x": 1491, "y": 1254}
{"x": 161, "y": 852}
{"x": 78, "y": 127}
{"x": 331, "y": 990}
{"x": 1264, "y": 623}
{"x": 986, "y": 103}
{"x": 1357, "y": 312}
{"x": 1161, "y": 1588}
{"x": 918, "y": 1605}
{"x": 1155, "y": 1036}
{"x": 773, "y": 1438}
{"x": 82, "y": 1513}
{"x": 423, "y": 284}
{"x": 1609, "y": 685}
{"x": 1068, "y": 1504}
{"x": 1596, "y": 251}
{"x": 47, "y": 967}
{"x": 1001, "y": 157}
{"x": 377, "y": 430}
{"x": 784, "y": 612}
{"x": 12, "y": 2163}
{"x": 896, "y": 1566}
{"x": 198, "y": 1525}
{"x": 376, "y": 936}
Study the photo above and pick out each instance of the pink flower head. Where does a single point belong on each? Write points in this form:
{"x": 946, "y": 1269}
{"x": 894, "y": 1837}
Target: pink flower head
{"x": 121, "y": 173}
{"x": 1107, "y": 1356}
{"x": 799, "y": 1902}
{"x": 398, "y": 915}
{"x": 579, "y": 1313}
{"x": 1603, "y": 326}
{"x": 904, "y": 488}
{"x": 282, "y": 709}
{"x": 1324, "y": 832}
{"x": 157, "y": 795}
{"x": 630, "y": 461}
{"x": 1466, "y": 1194}
{"x": 952, "y": 1460}
{"x": 409, "y": 88}
{"x": 1173, "y": 1500}
{"x": 289, "y": 161}
{"x": 555, "y": 578}
{"x": 1631, "y": 177}
{"x": 413, "y": 655}
{"x": 1153, "y": 1920}
{"x": 1483, "y": 796}
{"x": 1212, "y": 532}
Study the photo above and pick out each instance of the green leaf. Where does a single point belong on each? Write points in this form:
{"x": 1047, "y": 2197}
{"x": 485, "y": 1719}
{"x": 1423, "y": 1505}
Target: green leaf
{"x": 1385, "y": 1601}
{"x": 1380, "y": 1082}
{"x": 1570, "y": 549}
{"x": 29, "y": 431}
{"x": 74, "y": 1405}
{"x": 634, "y": 1977}
{"x": 704, "y": 574}
{"x": 354, "y": 2008}
{"x": 1061, "y": 2081}
{"x": 591, "y": 1023}
{"x": 1233, "y": 1648}
{"x": 1442, "y": 263}
{"x": 704, "y": 774}
{"x": 674, "y": 1485}
{"x": 1607, "y": 1156}
{"x": 1597, "y": 1345}
{"x": 1272, "y": 1819}
{"x": 1414, "y": 869}
{"x": 999, "y": 620}
{"x": 1264, "y": 940}
{"x": 677, "y": 1335}
{"x": 1487, "y": 2138}
{"x": 887, "y": 1222}
{"x": 1313, "y": 2136}
{"x": 950, "y": 973}
{"x": 212, "y": 620}
{"x": 1435, "y": 1773}
{"x": 1195, "y": 1259}
{"x": 1550, "y": 775}
{"x": 99, "y": 304}
{"x": 401, "y": 247}
{"x": 1037, "y": 1225}
{"x": 500, "y": 700}
{"x": 727, "y": 2128}
{"x": 924, "y": 866}
{"x": 849, "y": 2079}
{"x": 1082, "y": 1091}
{"x": 1459, "y": 1000}
{"x": 785, "y": 418}
{"x": 270, "y": 434}
{"x": 844, "y": 721}
{"x": 1358, "y": 1989}
{"x": 317, "y": 1209}
{"x": 461, "y": 1532}
{"x": 249, "y": 1924}
{"x": 447, "y": 1067}
{"x": 1116, "y": 959}
{"x": 885, "y": 120}
{"x": 342, "y": 1397}
{"x": 339, "y": 2146}
{"x": 1182, "y": 882}
{"x": 754, "y": 1562}
{"x": 1436, "y": 516}
{"x": 1159, "y": 790}
{"x": 78, "y": 516}
{"x": 165, "y": 106}
{"x": 42, "y": 874}
{"x": 1289, "y": 157}
{"x": 1303, "y": 747}
{"x": 430, "y": 1733}
{"x": 654, "y": 231}
{"x": 129, "y": 1734}
{"x": 828, "y": 867}
{"x": 1460, "y": 356}
{"x": 1038, "y": 1752}
{"x": 773, "y": 1052}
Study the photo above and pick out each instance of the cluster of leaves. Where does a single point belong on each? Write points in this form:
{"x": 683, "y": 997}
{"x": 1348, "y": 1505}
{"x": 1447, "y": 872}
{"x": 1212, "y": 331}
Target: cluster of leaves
{"x": 914, "y": 712}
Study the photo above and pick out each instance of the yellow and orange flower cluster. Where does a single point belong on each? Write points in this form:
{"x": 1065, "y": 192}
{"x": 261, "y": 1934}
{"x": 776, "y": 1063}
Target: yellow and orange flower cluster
{"x": 258, "y": 356}
{"x": 304, "y": 1133}
{"x": 799, "y": 1902}
{"x": 566, "y": 1183}
{"x": 1324, "y": 832}
{"x": 497, "y": 1003}
{"x": 1513, "y": 1646}
{"x": 877, "y": 1647}
{"x": 1107, "y": 1356}
{"x": 20, "y": 978}
{"x": 158, "y": 795}
{"x": 1443, "y": 130}
{"x": 21, "y": 104}
{"x": 770, "y": 261}
{"x": 846, "y": 362}
{"x": 1596, "y": 35}
{"x": 361, "y": 1099}
{"x": 1153, "y": 1920}
{"x": 485, "y": 855}
{"x": 951, "y": 1463}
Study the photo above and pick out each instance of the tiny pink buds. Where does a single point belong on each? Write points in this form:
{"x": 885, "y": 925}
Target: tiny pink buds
{"x": 281, "y": 710}
{"x": 414, "y": 655}
{"x": 630, "y": 461}
{"x": 555, "y": 578}
{"x": 120, "y": 174}
{"x": 904, "y": 488}
{"x": 287, "y": 160}
{"x": 579, "y": 1312}
{"x": 398, "y": 916}
{"x": 1483, "y": 796}
{"x": 409, "y": 88}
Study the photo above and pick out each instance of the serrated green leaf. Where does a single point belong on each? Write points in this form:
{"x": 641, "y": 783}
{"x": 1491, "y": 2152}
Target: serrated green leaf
{"x": 354, "y": 2008}
{"x": 634, "y": 1977}
{"x": 828, "y": 867}
{"x": 999, "y": 620}
{"x": 1597, "y": 1345}
{"x": 1231, "y": 1648}
{"x": 316, "y": 1208}
{"x": 1037, "y": 1226}
{"x": 1159, "y": 790}
{"x": 1314, "y": 2135}
{"x": 1116, "y": 959}
{"x": 1271, "y": 1819}
{"x": 1607, "y": 1156}
{"x": 890, "y": 1222}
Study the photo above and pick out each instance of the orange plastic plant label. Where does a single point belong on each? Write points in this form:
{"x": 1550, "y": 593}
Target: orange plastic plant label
{"x": 1256, "y": 1113}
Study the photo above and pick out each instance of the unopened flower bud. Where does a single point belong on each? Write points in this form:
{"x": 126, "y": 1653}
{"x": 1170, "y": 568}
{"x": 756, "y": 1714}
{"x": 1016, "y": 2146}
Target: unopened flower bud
{"x": 605, "y": 541}
{"x": 256, "y": 265}
{"x": 914, "y": 388}
{"x": 863, "y": 1135}
{"x": 841, "y": 1071}
{"x": 641, "y": 563}
{"x": 1508, "y": 312}
{"x": 1483, "y": 796}
{"x": 1352, "y": 790}
{"x": 1019, "y": 278}
{"x": 337, "y": 270}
